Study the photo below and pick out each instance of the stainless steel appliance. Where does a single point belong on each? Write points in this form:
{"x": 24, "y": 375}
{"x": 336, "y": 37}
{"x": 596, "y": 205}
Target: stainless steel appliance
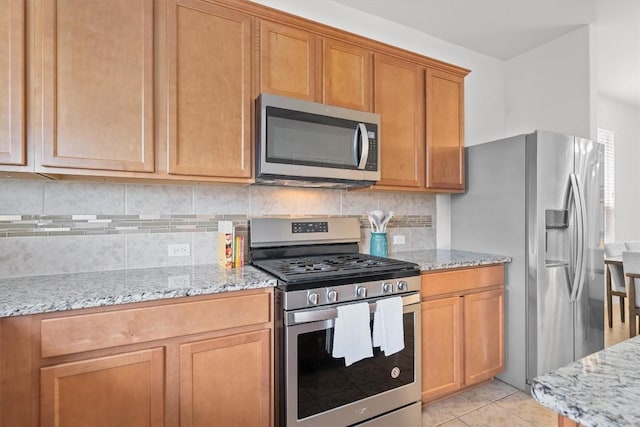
{"x": 318, "y": 267}
{"x": 308, "y": 144}
{"x": 539, "y": 199}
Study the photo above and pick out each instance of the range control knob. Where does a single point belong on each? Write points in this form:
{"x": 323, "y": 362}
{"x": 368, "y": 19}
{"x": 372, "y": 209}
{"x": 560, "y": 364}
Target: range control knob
{"x": 387, "y": 288}
{"x": 332, "y": 296}
{"x": 402, "y": 286}
{"x": 313, "y": 298}
{"x": 361, "y": 291}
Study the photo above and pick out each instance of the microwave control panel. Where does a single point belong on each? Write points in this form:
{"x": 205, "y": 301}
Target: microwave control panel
{"x": 372, "y": 160}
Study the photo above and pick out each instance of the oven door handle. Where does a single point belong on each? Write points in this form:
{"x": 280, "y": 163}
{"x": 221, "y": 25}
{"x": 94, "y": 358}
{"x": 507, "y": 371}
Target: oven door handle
{"x": 332, "y": 313}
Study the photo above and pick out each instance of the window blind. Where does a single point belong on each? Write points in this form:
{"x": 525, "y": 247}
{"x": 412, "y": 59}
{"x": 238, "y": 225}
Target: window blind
{"x": 607, "y": 137}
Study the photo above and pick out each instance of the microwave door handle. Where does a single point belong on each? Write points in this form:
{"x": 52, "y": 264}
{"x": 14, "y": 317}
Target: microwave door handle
{"x": 363, "y": 141}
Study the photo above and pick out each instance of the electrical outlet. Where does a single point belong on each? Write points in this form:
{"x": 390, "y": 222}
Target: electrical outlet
{"x": 183, "y": 249}
{"x": 181, "y": 281}
{"x": 398, "y": 240}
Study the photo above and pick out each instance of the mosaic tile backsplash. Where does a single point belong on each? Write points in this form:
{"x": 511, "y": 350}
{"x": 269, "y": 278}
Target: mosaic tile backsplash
{"x": 51, "y": 227}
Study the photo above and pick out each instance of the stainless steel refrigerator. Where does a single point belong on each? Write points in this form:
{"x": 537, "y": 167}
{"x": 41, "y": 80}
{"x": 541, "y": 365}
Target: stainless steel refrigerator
{"x": 539, "y": 199}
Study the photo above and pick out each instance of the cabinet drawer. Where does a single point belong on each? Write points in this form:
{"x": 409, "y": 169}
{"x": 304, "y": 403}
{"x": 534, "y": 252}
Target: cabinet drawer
{"x": 74, "y": 334}
{"x": 462, "y": 280}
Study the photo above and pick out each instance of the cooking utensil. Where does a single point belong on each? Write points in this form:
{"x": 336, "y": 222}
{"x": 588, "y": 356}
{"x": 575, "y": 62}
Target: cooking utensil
{"x": 377, "y": 216}
{"x": 385, "y": 221}
{"x": 373, "y": 224}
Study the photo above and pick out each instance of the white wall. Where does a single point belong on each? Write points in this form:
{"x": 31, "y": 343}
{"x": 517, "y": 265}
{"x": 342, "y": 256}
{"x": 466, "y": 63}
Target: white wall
{"x": 551, "y": 87}
{"x": 484, "y": 86}
{"x": 624, "y": 121}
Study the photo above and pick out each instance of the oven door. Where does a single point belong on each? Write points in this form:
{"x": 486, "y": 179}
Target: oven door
{"x": 322, "y": 391}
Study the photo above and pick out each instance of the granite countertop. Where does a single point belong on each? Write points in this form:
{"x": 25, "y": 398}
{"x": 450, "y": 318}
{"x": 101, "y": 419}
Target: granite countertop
{"x": 601, "y": 389}
{"x": 61, "y": 292}
{"x": 440, "y": 259}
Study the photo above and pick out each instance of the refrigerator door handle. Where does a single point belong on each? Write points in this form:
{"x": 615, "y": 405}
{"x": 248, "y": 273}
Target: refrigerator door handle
{"x": 581, "y": 219}
{"x": 583, "y": 240}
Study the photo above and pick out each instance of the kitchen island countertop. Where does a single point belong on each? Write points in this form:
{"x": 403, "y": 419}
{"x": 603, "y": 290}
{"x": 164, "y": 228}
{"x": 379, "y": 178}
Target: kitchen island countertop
{"x": 61, "y": 292}
{"x": 601, "y": 389}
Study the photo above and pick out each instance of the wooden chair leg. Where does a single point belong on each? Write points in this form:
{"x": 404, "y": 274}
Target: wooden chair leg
{"x": 609, "y": 297}
{"x": 622, "y": 309}
{"x": 631, "y": 302}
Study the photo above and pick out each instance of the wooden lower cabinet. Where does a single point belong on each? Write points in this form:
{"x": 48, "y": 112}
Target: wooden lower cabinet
{"x": 463, "y": 330}
{"x": 483, "y": 335}
{"x": 121, "y": 390}
{"x": 215, "y": 373}
{"x": 441, "y": 347}
{"x": 203, "y": 361}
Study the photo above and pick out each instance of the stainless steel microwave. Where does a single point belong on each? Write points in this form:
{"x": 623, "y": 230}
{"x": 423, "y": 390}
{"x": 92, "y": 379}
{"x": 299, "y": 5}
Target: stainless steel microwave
{"x": 304, "y": 143}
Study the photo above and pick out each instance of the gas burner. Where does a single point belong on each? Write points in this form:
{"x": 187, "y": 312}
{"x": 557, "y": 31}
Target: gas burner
{"x": 332, "y": 263}
{"x": 303, "y": 266}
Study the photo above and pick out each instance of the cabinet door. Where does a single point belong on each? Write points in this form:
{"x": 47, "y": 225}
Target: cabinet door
{"x": 441, "y": 347}
{"x": 12, "y": 89}
{"x": 445, "y": 131}
{"x": 399, "y": 99}
{"x": 288, "y": 61}
{"x": 122, "y": 390}
{"x": 226, "y": 381}
{"x": 483, "y": 335}
{"x": 346, "y": 75}
{"x": 209, "y": 81}
{"x": 93, "y": 64}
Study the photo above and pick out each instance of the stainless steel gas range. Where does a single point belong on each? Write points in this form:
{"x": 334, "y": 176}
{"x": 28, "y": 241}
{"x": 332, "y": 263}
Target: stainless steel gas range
{"x": 319, "y": 270}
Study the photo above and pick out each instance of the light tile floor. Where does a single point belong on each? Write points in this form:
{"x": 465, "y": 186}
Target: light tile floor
{"x": 496, "y": 404}
{"x": 493, "y": 404}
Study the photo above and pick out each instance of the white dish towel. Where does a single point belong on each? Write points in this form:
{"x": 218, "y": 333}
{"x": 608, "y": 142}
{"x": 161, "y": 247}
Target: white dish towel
{"x": 388, "y": 328}
{"x": 352, "y": 333}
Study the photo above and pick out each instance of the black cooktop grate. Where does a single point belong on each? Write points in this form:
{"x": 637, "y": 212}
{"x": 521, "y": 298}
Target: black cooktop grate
{"x": 328, "y": 267}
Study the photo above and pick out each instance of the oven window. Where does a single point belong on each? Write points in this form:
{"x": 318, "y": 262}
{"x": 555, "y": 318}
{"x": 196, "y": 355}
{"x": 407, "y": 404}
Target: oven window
{"x": 325, "y": 383}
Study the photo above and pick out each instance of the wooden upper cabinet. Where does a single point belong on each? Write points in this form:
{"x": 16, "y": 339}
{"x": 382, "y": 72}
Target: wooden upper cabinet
{"x": 120, "y": 390}
{"x": 301, "y": 65}
{"x": 12, "y": 78}
{"x": 445, "y": 131}
{"x": 399, "y": 99}
{"x": 209, "y": 90}
{"x": 346, "y": 75}
{"x": 289, "y": 63}
{"x": 94, "y": 70}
